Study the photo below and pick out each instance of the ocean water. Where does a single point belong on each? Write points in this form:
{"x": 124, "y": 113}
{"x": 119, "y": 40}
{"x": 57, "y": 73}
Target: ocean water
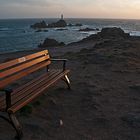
{"x": 16, "y": 34}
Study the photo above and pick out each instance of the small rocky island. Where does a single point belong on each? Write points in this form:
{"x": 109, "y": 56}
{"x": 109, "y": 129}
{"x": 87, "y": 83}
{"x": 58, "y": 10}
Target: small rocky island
{"x": 40, "y": 25}
{"x": 61, "y": 23}
{"x": 48, "y": 42}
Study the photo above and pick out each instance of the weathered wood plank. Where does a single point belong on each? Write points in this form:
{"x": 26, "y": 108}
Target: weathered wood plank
{"x": 36, "y": 93}
{"x": 22, "y": 59}
{"x": 21, "y": 74}
{"x": 22, "y": 66}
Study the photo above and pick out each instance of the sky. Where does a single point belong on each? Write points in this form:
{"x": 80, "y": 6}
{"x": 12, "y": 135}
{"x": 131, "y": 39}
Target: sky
{"x": 126, "y": 9}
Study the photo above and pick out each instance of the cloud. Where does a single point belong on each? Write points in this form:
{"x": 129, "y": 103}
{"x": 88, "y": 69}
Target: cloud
{"x": 30, "y": 8}
{"x": 25, "y": 3}
{"x": 70, "y": 8}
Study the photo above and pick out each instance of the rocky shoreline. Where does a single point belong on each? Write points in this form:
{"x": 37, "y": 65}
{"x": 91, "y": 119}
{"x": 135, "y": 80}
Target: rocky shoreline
{"x": 104, "y": 103}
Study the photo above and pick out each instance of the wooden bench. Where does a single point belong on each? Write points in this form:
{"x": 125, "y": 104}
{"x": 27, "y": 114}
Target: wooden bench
{"x": 14, "y": 99}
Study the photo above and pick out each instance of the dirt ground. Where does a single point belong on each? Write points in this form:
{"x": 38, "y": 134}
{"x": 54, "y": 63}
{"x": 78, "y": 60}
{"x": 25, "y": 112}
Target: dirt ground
{"x": 103, "y": 104}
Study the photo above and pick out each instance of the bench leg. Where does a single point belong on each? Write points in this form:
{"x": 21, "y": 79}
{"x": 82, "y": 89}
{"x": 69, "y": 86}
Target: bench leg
{"x": 16, "y": 125}
{"x": 67, "y": 81}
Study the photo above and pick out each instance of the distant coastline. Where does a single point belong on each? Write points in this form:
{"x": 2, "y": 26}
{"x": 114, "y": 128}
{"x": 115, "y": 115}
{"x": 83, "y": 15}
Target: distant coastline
{"x": 16, "y": 35}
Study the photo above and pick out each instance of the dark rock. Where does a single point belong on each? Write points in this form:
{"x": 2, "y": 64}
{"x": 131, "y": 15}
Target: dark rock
{"x": 97, "y": 29}
{"x": 60, "y": 23}
{"x": 112, "y": 33}
{"x": 39, "y": 25}
{"x": 50, "y": 43}
{"x": 38, "y": 30}
{"x": 61, "y": 29}
{"x": 107, "y": 33}
{"x": 45, "y": 30}
{"x": 88, "y": 29}
{"x": 41, "y": 30}
{"x": 78, "y": 24}
{"x": 42, "y": 24}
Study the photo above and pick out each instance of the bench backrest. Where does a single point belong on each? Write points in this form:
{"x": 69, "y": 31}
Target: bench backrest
{"x": 15, "y": 69}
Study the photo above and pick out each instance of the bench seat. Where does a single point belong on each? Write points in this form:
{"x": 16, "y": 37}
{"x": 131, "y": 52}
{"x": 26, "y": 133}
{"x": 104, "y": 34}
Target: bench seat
{"x": 26, "y": 93}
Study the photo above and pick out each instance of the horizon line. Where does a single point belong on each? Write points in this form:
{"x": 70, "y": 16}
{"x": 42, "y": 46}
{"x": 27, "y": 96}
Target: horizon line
{"x": 69, "y": 18}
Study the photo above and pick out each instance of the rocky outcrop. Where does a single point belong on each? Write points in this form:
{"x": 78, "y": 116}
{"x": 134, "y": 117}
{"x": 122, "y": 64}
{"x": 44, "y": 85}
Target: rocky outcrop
{"x": 42, "y": 24}
{"x": 60, "y": 23}
{"x": 78, "y": 24}
{"x": 50, "y": 43}
{"x": 39, "y": 25}
{"x": 108, "y": 33}
{"x": 39, "y": 30}
{"x": 88, "y": 29}
{"x": 112, "y": 33}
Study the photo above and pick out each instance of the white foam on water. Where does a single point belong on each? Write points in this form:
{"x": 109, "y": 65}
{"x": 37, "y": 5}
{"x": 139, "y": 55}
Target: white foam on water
{"x": 135, "y": 33}
{"x": 4, "y": 29}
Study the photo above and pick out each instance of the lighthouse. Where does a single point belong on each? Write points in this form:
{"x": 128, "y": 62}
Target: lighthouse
{"x": 62, "y": 18}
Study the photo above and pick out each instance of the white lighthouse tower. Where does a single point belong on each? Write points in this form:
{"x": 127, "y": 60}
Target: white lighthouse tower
{"x": 62, "y": 17}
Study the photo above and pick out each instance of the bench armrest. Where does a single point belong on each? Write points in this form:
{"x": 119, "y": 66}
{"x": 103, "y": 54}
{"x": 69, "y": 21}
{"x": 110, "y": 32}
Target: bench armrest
{"x": 63, "y": 60}
{"x": 6, "y": 90}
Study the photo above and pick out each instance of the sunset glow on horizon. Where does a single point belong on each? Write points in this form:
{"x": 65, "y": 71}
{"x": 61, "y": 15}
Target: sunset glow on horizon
{"x": 127, "y": 9}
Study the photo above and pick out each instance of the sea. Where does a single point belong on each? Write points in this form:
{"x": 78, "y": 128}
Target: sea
{"x": 16, "y": 34}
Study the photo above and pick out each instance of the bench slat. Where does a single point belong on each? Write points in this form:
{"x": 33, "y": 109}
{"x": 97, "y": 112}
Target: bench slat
{"x": 28, "y": 84}
{"x": 47, "y": 74}
{"x": 34, "y": 86}
{"x": 36, "y": 93}
{"x": 21, "y": 74}
{"x": 22, "y": 66}
{"x": 26, "y": 58}
{"x": 22, "y": 92}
